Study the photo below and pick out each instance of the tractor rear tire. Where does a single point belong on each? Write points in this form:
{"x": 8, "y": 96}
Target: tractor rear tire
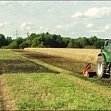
{"x": 101, "y": 68}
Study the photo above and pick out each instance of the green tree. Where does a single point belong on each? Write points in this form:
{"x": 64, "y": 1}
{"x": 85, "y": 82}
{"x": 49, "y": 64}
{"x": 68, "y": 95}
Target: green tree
{"x": 24, "y": 44}
{"x": 19, "y": 40}
{"x": 9, "y": 40}
{"x": 3, "y": 41}
{"x": 13, "y": 45}
{"x": 36, "y": 41}
{"x": 71, "y": 43}
{"x": 32, "y": 36}
{"x": 66, "y": 41}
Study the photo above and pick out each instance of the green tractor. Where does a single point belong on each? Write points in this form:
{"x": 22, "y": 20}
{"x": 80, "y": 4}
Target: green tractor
{"x": 104, "y": 60}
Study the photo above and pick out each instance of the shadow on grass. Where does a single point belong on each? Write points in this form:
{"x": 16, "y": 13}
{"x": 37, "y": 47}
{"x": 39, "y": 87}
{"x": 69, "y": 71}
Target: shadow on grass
{"x": 35, "y": 55}
{"x": 22, "y": 66}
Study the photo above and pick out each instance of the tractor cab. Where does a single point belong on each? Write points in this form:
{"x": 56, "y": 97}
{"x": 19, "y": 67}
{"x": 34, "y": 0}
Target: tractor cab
{"x": 104, "y": 60}
{"x": 107, "y": 45}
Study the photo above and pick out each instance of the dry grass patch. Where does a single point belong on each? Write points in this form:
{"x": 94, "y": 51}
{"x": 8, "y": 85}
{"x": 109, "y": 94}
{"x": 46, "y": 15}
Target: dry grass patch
{"x": 85, "y": 55}
{"x": 7, "y": 101}
{"x": 58, "y": 59}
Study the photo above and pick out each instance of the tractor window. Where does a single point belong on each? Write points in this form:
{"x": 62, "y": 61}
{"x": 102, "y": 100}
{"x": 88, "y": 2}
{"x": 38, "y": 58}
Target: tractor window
{"x": 107, "y": 47}
{"x": 106, "y": 43}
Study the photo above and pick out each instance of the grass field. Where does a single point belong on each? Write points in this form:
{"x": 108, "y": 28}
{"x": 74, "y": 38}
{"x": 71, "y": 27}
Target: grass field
{"x": 46, "y": 79}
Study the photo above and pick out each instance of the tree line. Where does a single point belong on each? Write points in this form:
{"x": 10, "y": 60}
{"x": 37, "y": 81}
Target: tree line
{"x": 47, "y": 40}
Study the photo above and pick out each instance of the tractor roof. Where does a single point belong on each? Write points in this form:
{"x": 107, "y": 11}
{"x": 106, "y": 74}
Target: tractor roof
{"x": 109, "y": 40}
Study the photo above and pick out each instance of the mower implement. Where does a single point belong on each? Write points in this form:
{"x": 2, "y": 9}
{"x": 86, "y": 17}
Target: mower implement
{"x": 88, "y": 72}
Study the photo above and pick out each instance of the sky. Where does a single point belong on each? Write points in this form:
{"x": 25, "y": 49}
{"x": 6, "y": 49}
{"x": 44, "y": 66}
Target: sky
{"x": 66, "y": 18}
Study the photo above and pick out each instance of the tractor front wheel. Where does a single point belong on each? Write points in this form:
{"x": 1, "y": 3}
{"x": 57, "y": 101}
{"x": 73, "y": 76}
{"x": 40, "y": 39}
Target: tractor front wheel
{"x": 101, "y": 68}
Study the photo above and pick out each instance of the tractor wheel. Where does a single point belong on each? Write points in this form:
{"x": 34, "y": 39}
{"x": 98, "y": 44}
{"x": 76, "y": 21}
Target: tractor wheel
{"x": 101, "y": 67}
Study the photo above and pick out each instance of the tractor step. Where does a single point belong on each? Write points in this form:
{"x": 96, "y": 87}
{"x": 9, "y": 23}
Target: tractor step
{"x": 108, "y": 68}
{"x": 107, "y": 73}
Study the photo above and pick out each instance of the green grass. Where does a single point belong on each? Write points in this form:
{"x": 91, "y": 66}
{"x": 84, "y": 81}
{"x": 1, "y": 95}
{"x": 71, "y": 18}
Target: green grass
{"x": 46, "y": 91}
{"x": 49, "y": 91}
{"x": 7, "y": 54}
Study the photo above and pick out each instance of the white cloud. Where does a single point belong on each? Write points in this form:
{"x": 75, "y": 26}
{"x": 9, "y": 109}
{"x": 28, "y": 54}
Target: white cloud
{"x": 46, "y": 30}
{"x": 3, "y": 24}
{"x": 97, "y": 12}
{"x": 4, "y": 2}
{"x": 42, "y": 29}
{"x": 59, "y": 26}
{"x": 50, "y": 10}
{"x": 7, "y": 4}
{"x": 108, "y": 26}
{"x": 101, "y": 29}
{"x": 77, "y": 14}
{"x": 66, "y": 26}
{"x": 98, "y": 30}
{"x": 26, "y": 26}
{"x": 93, "y": 12}
{"x": 90, "y": 25}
